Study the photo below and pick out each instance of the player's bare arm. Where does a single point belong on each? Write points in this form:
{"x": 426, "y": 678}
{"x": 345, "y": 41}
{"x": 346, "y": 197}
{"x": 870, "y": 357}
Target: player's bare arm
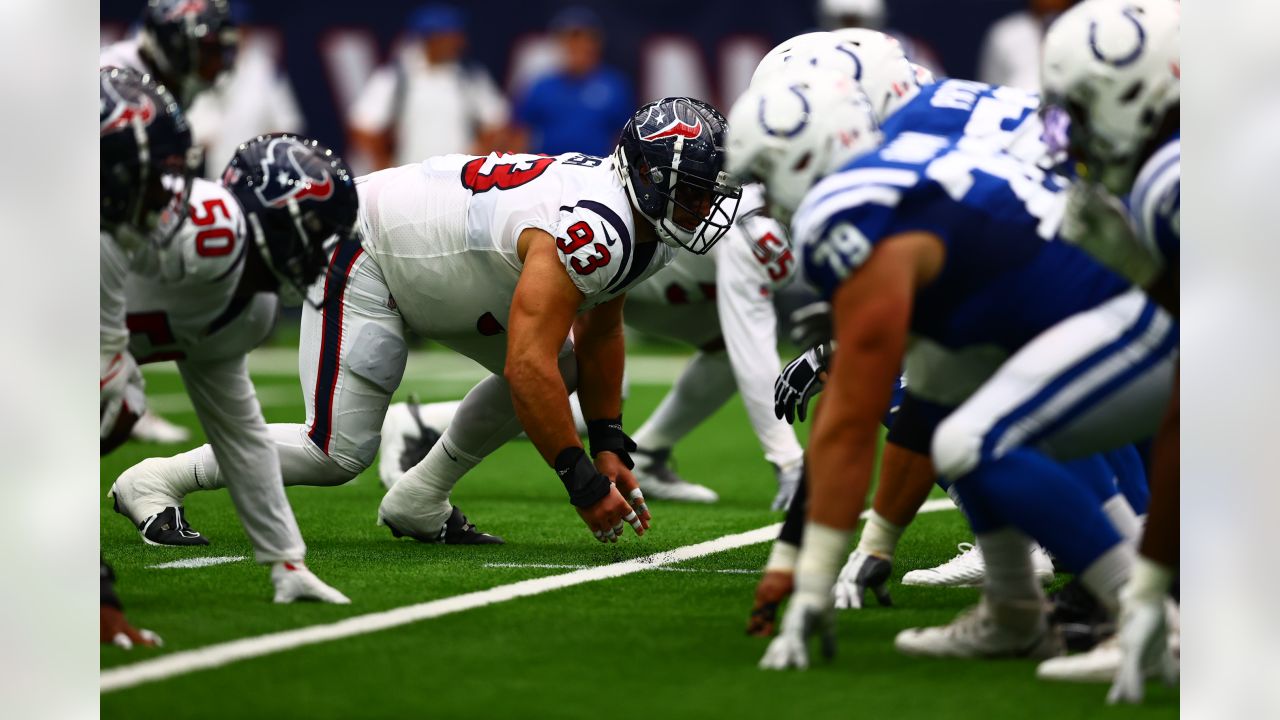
{"x": 600, "y": 346}
{"x": 543, "y": 310}
{"x": 872, "y": 311}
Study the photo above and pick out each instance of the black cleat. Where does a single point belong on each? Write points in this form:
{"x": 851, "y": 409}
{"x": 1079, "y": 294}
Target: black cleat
{"x": 169, "y": 527}
{"x": 457, "y": 530}
{"x": 1079, "y": 616}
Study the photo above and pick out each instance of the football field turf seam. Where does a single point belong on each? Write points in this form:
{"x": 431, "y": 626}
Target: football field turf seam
{"x": 211, "y": 656}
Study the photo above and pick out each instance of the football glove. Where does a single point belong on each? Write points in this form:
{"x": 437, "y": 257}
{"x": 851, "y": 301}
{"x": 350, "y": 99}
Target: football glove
{"x": 799, "y": 382}
{"x": 121, "y": 400}
{"x": 1099, "y": 224}
{"x": 806, "y": 616}
{"x": 811, "y": 324}
{"x": 861, "y": 573}
{"x": 1144, "y": 645}
{"x": 788, "y": 481}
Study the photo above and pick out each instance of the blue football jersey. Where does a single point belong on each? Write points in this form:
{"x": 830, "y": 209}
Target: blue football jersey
{"x": 1004, "y": 279}
{"x": 1007, "y": 117}
{"x": 1155, "y": 202}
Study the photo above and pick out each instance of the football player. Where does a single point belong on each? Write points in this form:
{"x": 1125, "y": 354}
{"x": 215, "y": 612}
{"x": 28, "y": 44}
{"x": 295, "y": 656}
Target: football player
{"x": 185, "y": 45}
{"x": 948, "y": 239}
{"x": 1113, "y": 68}
{"x": 522, "y": 263}
{"x": 721, "y": 304}
{"x": 199, "y": 286}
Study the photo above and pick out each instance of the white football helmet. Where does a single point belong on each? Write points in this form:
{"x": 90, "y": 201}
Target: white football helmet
{"x": 795, "y": 129}
{"x": 875, "y": 60}
{"x": 1113, "y": 66}
{"x": 924, "y": 76}
{"x": 836, "y": 14}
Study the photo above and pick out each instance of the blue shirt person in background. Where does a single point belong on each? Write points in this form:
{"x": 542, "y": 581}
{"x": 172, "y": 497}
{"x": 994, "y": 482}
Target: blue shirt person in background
{"x": 583, "y": 105}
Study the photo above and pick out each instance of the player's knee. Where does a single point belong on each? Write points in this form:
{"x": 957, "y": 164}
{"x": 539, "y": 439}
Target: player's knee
{"x": 957, "y": 448}
{"x": 379, "y": 356}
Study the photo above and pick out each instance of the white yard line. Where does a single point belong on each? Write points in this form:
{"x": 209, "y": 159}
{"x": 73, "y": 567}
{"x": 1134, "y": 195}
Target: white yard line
{"x": 212, "y": 656}
{"x": 197, "y": 562}
{"x": 560, "y": 566}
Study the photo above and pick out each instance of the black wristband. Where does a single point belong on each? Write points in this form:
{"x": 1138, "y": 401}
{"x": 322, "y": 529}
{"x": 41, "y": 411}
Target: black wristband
{"x": 607, "y": 436}
{"x": 586, "y": 486}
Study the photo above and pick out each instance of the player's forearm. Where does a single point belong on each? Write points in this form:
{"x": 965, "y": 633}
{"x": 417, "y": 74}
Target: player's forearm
{"x": 542, "y": 404}
{"x": 601, "y": 355}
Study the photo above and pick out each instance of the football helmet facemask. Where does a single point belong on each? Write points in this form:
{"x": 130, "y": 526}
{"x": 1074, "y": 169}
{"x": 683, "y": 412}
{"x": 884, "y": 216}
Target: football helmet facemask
{"x": 296, "y": 195}
{"x": 147, "y": 163}
{"x": 671, "y": 160}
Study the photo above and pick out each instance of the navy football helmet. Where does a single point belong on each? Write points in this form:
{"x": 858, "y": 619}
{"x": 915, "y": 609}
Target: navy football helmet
{"x": 671, "y": 160}
{"x": 190, "y": 42}
{"x": 147, "y": 162}
{"x": 296, "y": 194}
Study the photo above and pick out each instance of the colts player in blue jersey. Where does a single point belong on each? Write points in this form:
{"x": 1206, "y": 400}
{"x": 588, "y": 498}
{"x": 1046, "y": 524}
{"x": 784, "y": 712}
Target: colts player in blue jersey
{"x": 949, "y": 241}
{"x": 1113, "y": 67}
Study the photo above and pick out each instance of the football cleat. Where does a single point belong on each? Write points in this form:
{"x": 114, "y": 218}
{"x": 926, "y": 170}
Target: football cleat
{"x": 986, "y": 631}
{"x": 294, "y": 582}
{"x": 152, "y": 428}
{"x": 1079, "y": 617}
{"x": 406, "y": 440}
{"x": 657, "y": 479}
{"x": 968, "y": 570}
{"x": 861, "y": 573}
{"x": 168, "y": 527}
{"x": 457, "y": 530}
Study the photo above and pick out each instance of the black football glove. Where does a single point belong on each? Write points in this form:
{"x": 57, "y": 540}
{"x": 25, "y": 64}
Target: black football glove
{"x": 799, "y": 382}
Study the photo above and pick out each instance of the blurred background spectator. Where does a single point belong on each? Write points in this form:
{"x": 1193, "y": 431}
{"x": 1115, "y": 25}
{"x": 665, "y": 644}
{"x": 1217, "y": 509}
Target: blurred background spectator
{"x": 1011, "y": 49}
{"x": 582, "y": 104}
{"x": 251, "y": 99}
{"x": 872, "y": 14}
{"x": 428, "y": 100}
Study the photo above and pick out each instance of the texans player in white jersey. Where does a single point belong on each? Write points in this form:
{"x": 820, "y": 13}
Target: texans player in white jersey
{"x": 1113, "y": 68}
{"x": 199, "y": 288}
{"x": 184, "y": 45}
{"x": 522, "y": 263}
{"x": 723, "y": 301}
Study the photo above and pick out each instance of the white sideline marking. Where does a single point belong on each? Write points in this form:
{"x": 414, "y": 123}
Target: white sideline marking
{"x": 197, "y": 562}
{"x": 212, "y": 656}
{"x": 559, "y": 566}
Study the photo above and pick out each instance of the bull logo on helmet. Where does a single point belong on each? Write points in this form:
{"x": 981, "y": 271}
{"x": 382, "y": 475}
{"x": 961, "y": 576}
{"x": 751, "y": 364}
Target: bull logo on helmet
{"x": 126, "y": 112}
{"x": 676, "y": 128}
{"x": 284, "y": 178}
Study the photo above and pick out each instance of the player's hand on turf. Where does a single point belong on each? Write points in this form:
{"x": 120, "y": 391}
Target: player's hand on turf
{"x": 861, "y": 573}
{"x": 612, "y": 467}
{"x": 114, "y": 628}
{"x": 811, "y": 324}
{"x": 606, "y": 518}
{"x": 773, "y": 588}
{"x": 799, "y": 381}
{"x": 806, "y": 617}
{"x": 1143, "y": 635}
{"x": 788, "y": 482}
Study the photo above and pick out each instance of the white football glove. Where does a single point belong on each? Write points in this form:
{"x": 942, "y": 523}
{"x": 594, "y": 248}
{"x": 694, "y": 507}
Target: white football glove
{"x": 1143, "y": 636}
{"x": 806, "y": 616}
{"x": 120, "y": 390}
{"x": 799, "y": 382}
{"x": 1099, "y": 224}
{"x": 788, "y": 481}
{"x": 861, "y": 573}
{"x": 294, "y": 582}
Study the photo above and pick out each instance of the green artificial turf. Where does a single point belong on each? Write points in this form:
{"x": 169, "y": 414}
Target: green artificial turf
{"x": 654, "y": 644}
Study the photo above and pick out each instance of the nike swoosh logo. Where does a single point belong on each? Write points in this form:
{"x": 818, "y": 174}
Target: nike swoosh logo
{"x": 446, "y": 452}
{"x": 609, "y": 239}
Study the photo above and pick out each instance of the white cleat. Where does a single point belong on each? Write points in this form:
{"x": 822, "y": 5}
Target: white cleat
{"x": 658, "y": 480}
{"x": 294, "y": 582}
{"x": 968, "y": 570}
{"x": 154, "y": 429}
{"x": 1099, "y": 665}
{"x": 144, "y": 490}
{"x": 986, "y": 631}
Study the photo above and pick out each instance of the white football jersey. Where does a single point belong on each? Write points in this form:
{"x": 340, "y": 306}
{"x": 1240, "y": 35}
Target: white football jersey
{"x": 444, "y": 233}
{"x": 186, "y": 307}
